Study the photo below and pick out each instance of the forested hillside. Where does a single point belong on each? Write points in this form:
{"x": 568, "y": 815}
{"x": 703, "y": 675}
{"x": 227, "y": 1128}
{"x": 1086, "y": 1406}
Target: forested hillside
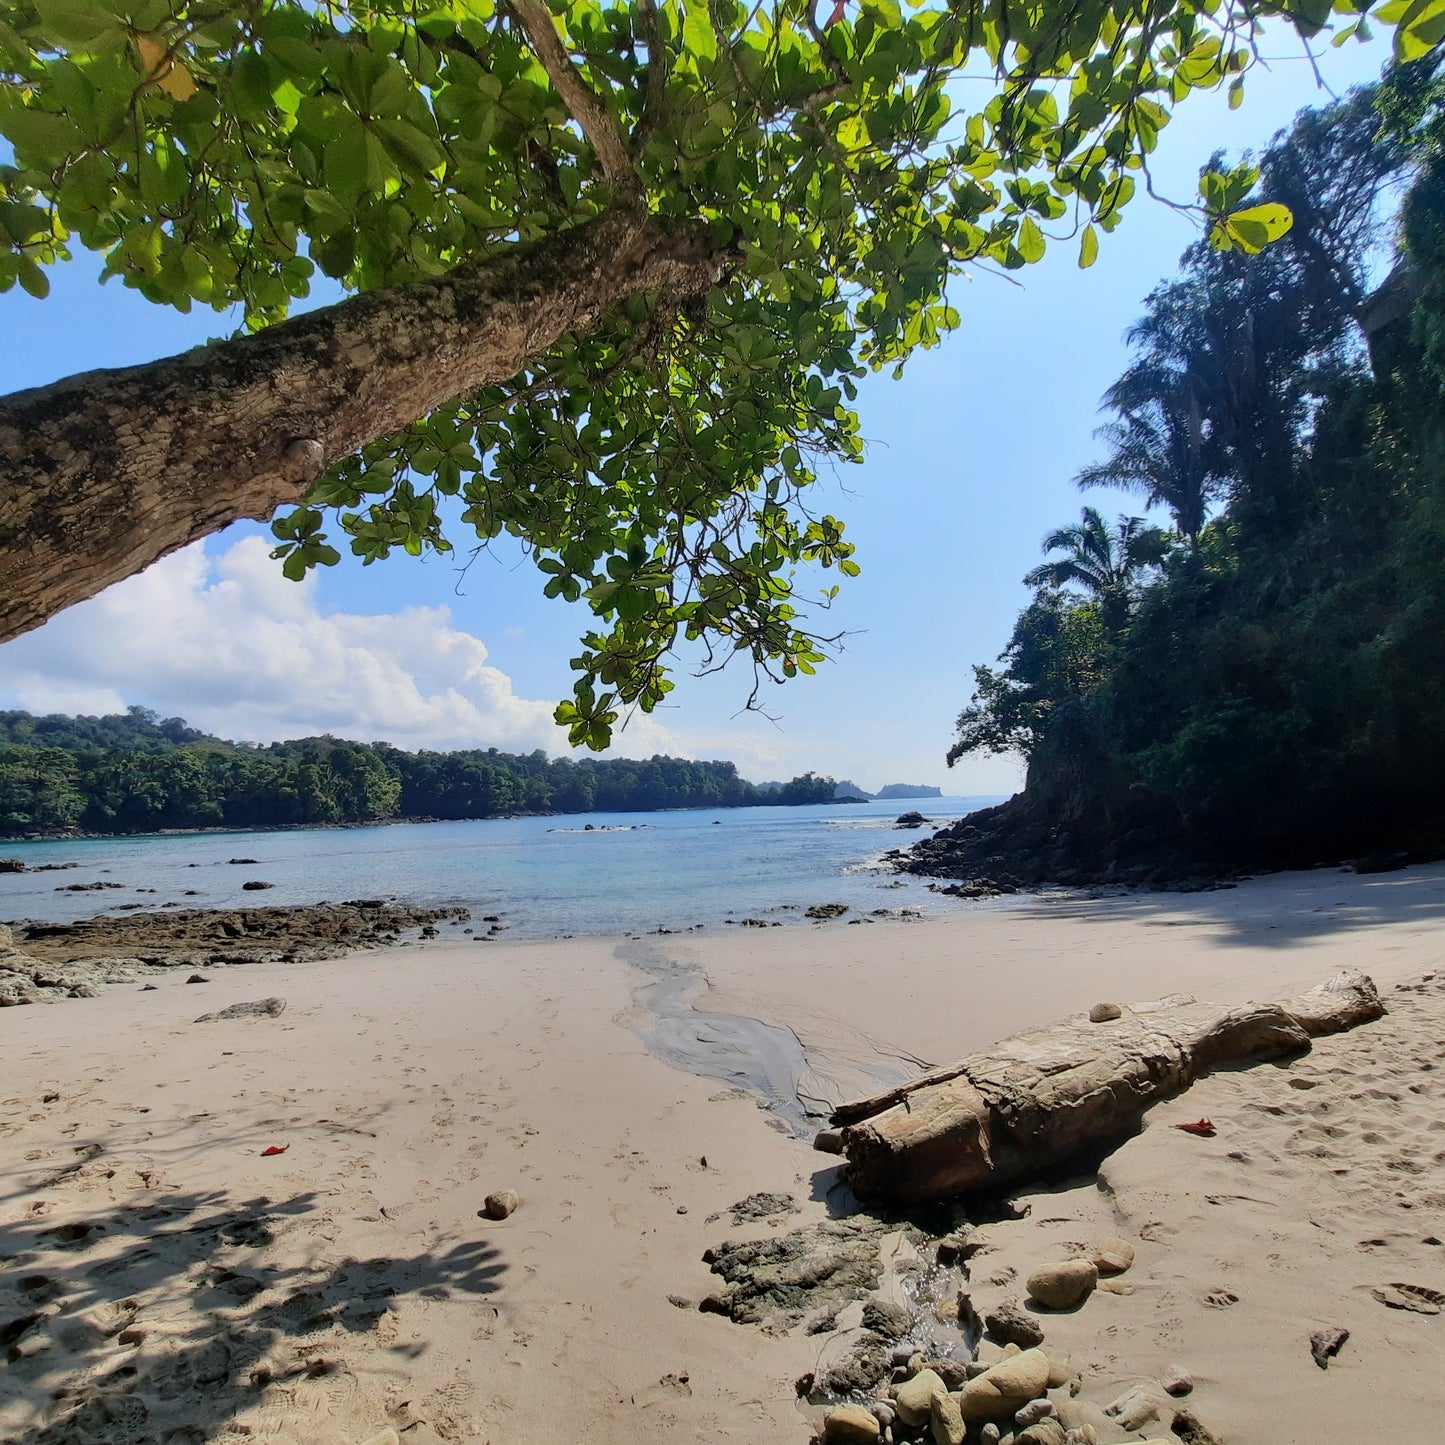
{"x": 135, "y": 773}
{"x": 1262, "y": 680}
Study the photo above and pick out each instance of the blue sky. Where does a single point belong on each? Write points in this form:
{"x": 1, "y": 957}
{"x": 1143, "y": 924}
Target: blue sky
{"x": 969, "y": 463}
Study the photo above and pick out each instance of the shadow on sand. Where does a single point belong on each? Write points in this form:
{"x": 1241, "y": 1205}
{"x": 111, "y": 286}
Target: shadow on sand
{"x": 160, "y": 1321}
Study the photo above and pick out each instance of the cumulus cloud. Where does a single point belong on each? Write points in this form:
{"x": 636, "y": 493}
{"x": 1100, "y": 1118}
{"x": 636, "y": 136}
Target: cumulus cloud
{"x": 230, "y": 645}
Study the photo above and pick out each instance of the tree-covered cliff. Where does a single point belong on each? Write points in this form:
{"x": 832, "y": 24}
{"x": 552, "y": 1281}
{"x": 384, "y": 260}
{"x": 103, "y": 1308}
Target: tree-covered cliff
{"x": 1261, "y": 679}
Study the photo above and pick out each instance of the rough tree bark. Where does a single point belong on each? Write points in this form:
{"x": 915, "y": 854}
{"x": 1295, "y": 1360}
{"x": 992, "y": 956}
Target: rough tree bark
{"x": 103, "y": 473}
{"x": 1060, "y": 1093}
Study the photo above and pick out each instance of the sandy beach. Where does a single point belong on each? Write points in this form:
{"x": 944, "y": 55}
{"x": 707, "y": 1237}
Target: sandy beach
{"x": 165, "y": 1280}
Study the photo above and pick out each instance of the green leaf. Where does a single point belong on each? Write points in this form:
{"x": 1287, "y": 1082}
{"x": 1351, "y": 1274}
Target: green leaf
{"x": 33, "y": 279}
{"x": 1088, "y": 248}
{"x": 698, "y": 36}
{"x": 76, "y": 22}
{"x": 1030, "y": 240}
{"x": 1255, "y": 228}
{"x": 1420, "y": 28}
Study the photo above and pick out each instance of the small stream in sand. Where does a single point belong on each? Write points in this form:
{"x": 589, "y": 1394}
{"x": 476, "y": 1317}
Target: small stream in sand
{"x": 769, "y": 1060}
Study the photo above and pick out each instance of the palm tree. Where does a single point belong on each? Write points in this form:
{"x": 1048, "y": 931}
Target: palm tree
{"x": 1157, "y": 448}
{"x": 1102, "y": 561}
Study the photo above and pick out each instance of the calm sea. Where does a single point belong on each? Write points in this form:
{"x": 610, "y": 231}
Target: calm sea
{"x": 547, "y": 876}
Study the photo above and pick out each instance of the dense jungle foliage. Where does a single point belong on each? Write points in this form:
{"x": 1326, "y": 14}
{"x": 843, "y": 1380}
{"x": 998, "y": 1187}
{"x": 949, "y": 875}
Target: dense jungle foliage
{"x": 1264, "y": 680}
{"x": 136, "y": 773}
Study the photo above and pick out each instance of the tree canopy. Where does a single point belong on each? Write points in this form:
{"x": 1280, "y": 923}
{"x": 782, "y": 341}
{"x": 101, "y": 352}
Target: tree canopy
{"x": 618, "y": 268}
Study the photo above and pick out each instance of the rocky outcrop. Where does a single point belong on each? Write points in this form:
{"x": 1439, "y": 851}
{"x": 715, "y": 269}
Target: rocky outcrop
{"x": 1060, "y": 1094}
{"x": 779, "y": 1280}
{"x": 41, "y": 961}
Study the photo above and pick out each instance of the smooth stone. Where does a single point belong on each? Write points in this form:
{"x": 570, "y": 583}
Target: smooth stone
{"x": 947, "y": 1420}
{"x": 1113, "y": 1256}
{"x": 913, "y": 1399}
{"x": 1046, "y": 1432}
{"x": 1033, "y": 1412}
{"x": 501, "y": 1204}
{"x": 383, "y": 1437}
{"x": 1061, "y": 1370}
{"x": 988, "y": 1434}
{"x": 1009, "y": 1325}
{"x": 828, "y": 1141}
{"x": 1103, "y": 1013}
{"x": 1008, "y": 1385}
{"x": 1137, "y": 1407}
{"x": 851, "y": 1425}
{"x": 1063, "y": 1286}
{"x": 883, "y": 1413}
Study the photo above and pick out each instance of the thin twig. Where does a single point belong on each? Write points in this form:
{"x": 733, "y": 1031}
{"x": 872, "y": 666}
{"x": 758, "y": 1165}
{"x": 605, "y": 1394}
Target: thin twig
{"x": 583, "y": 103}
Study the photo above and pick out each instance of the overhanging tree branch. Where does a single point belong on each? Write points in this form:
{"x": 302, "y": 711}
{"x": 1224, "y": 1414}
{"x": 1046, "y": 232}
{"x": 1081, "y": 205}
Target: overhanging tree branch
{"x": 106, "y": 472}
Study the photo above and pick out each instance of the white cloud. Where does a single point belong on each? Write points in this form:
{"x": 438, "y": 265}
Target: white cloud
{"x": 235, "y": 649}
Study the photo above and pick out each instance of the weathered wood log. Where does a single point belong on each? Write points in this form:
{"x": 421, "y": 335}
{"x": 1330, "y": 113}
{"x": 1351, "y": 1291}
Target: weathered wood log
{"x": 1054, "y": 1094}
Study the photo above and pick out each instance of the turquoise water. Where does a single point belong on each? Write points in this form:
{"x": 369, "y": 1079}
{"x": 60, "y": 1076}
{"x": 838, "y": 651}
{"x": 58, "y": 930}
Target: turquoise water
{"x": 546, "y": 876}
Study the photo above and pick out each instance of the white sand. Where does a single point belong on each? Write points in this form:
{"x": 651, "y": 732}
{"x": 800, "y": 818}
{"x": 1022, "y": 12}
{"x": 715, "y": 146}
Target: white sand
{"x": 407, "y": 1085}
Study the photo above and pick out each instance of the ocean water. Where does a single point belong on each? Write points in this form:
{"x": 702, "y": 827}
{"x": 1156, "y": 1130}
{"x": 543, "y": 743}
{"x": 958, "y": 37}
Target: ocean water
{"x": 546, "y": 876}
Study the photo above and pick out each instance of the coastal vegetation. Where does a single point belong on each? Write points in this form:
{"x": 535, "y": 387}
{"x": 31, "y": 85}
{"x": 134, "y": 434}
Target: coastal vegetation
{"x": 1264, "y": 679}
{"x": 137, "y": 773}
{"x": 614, "y": 271}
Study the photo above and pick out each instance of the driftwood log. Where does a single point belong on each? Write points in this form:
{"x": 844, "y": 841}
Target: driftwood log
{"x": 1052, "y": 1095}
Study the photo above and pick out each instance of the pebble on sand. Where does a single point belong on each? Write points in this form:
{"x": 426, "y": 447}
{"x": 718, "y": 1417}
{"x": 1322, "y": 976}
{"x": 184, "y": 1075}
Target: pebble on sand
{"x": 1063, "y": 1286}
{"x": 500, "y": 1204}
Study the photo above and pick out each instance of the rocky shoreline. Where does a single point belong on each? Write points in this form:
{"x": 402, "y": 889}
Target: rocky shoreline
{"x": 1015, "y": 846}
{"x": 42, "y": 962}
{"x": 909, "y": 1355}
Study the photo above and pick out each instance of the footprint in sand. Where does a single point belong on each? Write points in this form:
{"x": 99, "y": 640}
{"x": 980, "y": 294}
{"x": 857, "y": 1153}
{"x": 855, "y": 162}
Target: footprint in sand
{"x": 1221, "y": 1299}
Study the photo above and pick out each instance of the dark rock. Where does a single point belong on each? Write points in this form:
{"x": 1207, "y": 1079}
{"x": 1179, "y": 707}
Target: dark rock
{"x": 1187, "y": 1426}
{"x": 254, "y": 885}
{"x": 1326, "y": 1344}
{"x": 261, "y": 1008}
{"x": 864, "y": 1367}
{"x": 198, "y": 978}
{"x": 887, "y": 1319}
{"x": 828, "y": 1141}
{"x": 243, "y": 860}
{"x": 762, "y": 1205}
{"x": 12, "y": 865}
{"x": 781, "y": 1279}
{"x": 953, "y": 1373}
{"x": 821, "y": 911}
{"x": 1382, "y": 862}
{"x": 86, "y": 887}
{"x": 1010, "y": 1325}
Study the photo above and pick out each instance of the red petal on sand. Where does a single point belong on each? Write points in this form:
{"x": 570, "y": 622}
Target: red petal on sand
{"x": 1203, "y": 1128}
{"x": 282, "y": 1148}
